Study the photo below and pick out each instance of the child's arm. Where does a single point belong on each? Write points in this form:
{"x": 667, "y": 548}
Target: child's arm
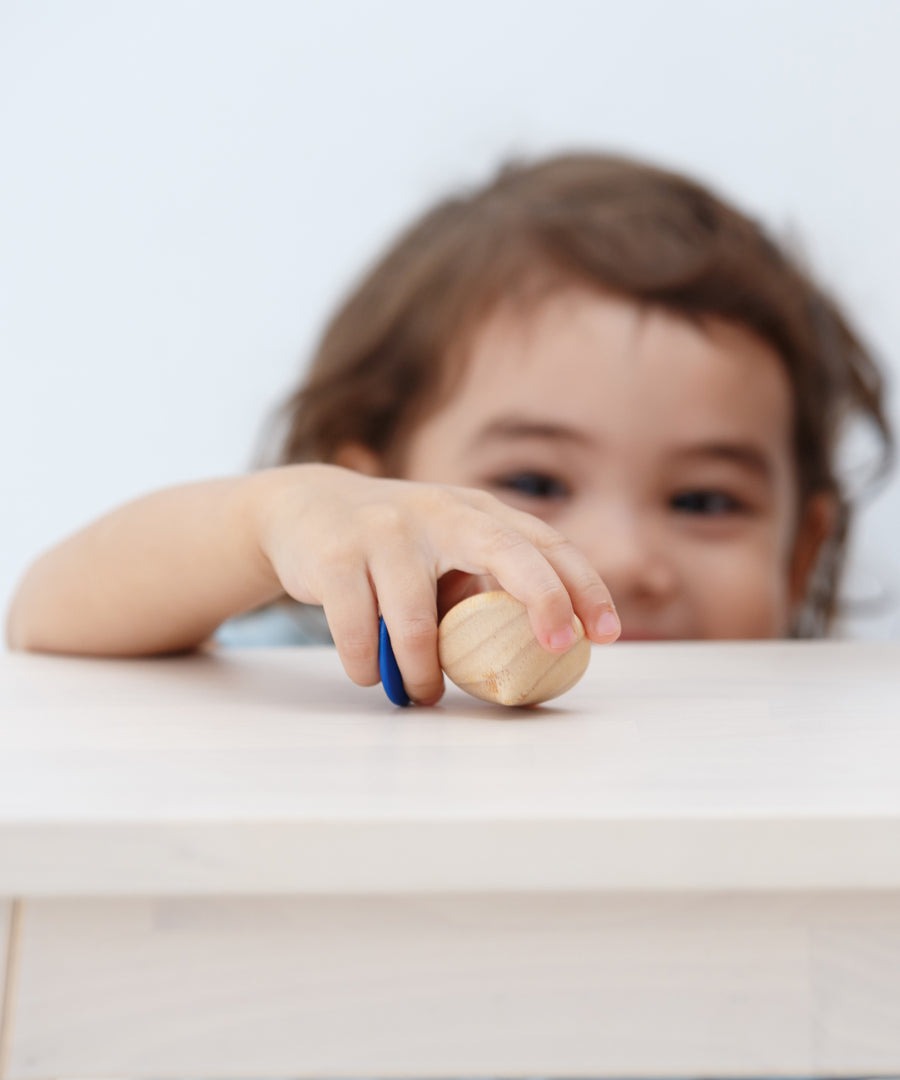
{"x": 160, "y": 574}
{"x": 156, "y": 575}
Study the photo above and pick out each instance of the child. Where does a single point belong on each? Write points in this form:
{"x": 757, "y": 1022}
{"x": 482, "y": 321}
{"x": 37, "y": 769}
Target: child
{"x": 591, "y": 382}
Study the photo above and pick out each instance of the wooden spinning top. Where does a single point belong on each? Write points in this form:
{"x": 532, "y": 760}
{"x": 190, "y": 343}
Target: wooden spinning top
{"x": 487, "y": 648}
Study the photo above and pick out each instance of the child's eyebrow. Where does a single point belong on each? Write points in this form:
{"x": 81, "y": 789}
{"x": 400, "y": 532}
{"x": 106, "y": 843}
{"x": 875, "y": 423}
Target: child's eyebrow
{"x": 747, "y": 455}
{"x": 515, "y": 427}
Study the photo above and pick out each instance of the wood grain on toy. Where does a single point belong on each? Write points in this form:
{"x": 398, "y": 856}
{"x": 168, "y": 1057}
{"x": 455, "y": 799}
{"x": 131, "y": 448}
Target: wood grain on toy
{"x": 487, "y": 648}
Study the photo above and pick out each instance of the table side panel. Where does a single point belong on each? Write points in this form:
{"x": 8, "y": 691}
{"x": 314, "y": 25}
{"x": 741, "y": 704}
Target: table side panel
{"x": 463, "y": 985}
{"x": 6, "y": 909}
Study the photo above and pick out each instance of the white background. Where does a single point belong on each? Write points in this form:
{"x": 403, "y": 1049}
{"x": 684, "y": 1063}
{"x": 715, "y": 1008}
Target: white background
{"x": 186, "y": 188}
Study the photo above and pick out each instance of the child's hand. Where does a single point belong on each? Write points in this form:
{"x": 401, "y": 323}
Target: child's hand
{"x": 359, "y": 545}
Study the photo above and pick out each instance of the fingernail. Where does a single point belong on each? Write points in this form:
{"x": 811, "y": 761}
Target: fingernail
{"x": 607, "y": 625}
{"x": 563, "y": 639}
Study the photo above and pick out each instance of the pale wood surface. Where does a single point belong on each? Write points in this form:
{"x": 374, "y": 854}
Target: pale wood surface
{"x": 241, "y": 865}
{"x": 582, "y": 985}
{"x": 5, "y": 911}
{"x": 746, "y": 766}
{"x": 6, "y": 908}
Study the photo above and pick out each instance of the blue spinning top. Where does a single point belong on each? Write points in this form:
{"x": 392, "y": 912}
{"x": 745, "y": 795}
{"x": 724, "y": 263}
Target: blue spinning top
{"x": 391, "y": 679}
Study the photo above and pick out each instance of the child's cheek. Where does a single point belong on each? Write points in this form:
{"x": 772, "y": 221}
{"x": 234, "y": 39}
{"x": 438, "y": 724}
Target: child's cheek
{"x": 744, "y": 599}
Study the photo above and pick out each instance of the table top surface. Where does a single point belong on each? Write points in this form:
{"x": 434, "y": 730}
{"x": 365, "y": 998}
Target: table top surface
{"x": 670, "y": 766}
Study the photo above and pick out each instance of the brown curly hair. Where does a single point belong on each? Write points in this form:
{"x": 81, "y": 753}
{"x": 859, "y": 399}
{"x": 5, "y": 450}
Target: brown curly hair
{"x": 640, "y": 231}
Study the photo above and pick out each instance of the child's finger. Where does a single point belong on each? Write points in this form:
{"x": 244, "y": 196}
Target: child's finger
{"x": 352, "y": 616}
{"x": 590, "y": 597}
{"x": 554, "y": 581}
{"x": 525, "y": 572}
{"x": 408, "y": 604}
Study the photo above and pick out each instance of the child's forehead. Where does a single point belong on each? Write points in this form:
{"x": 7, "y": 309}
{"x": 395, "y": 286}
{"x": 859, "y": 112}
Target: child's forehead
{"x": 582, "y": 353}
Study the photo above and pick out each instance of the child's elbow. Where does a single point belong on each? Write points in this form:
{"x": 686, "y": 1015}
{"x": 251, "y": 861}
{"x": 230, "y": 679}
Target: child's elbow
{"x": 27, "y": 626}
{"x": 20, "y": 637}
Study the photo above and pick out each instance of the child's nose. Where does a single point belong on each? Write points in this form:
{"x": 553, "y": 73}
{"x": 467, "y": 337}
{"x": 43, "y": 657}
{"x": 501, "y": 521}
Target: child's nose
{"x": 631, "y": 555}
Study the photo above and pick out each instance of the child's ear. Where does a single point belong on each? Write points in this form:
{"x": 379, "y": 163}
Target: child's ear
{"x": 816, "y": 525}
{"x": 360, "y": 458}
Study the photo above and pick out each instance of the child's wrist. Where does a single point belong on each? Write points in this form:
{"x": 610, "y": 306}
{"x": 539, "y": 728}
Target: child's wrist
{"x": 251, "y": 508}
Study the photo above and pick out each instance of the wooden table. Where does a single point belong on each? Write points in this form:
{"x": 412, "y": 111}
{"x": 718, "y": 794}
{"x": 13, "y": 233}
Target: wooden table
{"x": 241, "y": 865}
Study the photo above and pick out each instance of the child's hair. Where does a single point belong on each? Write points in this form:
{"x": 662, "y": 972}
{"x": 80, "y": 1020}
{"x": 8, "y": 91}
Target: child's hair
{"x": 619, "y": 225}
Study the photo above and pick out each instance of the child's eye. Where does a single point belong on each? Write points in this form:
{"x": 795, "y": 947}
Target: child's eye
{"x": 712, "y": 503}
{"x": 533, "y": 485}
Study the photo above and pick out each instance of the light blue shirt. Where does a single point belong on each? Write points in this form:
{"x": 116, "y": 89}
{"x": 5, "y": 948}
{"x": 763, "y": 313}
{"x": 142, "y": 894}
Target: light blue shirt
{"x": 282, "y": 623}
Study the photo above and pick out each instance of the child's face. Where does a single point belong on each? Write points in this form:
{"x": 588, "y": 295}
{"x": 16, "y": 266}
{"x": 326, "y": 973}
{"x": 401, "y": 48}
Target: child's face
{"x": 662, "y": 450}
